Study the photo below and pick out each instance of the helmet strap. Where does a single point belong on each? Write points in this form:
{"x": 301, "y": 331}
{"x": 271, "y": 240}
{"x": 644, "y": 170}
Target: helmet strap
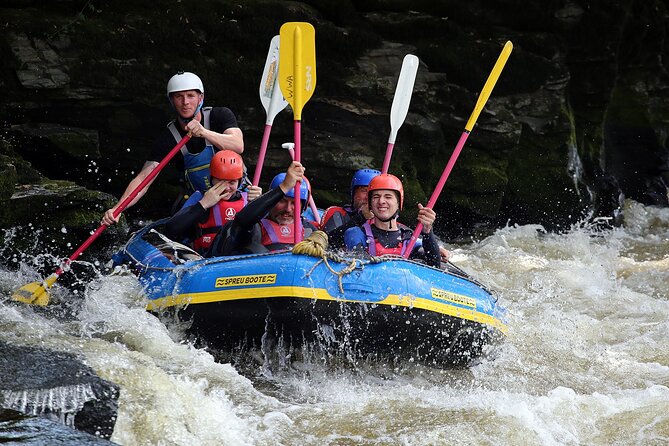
{"x": 395, "y": 215}
{"x": 197, "y": 110}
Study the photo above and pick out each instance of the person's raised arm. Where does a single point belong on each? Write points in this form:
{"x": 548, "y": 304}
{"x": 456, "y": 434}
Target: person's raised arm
{"x": 231, "y": 139}
{"x": 238, "y": 232}
{"x": 108, "y": 217}
{"x": 294, "y": 174}
{"x": 183, "y": 224}
{"x": 431, "y": 251}
{"x": 253, "y": 192}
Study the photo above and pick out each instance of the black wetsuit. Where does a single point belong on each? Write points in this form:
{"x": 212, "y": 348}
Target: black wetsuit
{"x": 243, "y": 234}
{"x": 184, "y": 225}
{"x": 336, "y": 233}
{"x": 356, "y": 239}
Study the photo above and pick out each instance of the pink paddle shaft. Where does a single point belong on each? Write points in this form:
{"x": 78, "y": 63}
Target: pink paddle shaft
{"x": 312, "y": 204}
{"x": 298, "y": 155}
{"x": 124, "y": 204}
{"x": 386, "y": 160}
{"x": 261, "y": 155}
{"x": 438, "y": 189}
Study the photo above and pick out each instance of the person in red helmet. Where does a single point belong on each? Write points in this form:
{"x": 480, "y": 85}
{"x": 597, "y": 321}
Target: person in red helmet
{"x": 204, "y": 215}
{"x": 212, "y": 129}
{"x": 382, "y": 234}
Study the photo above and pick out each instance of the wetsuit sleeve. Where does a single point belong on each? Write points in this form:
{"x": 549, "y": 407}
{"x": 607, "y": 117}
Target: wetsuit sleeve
{"x": 258, "y": 208}
{"x": 183, "y": 224}
{"x": 354, "y": 239}
{"x": 336, "y": 236}
{"x": 430, "y": 250}
{"x": 238, "y": 233}
{"x": 328, "y": 220}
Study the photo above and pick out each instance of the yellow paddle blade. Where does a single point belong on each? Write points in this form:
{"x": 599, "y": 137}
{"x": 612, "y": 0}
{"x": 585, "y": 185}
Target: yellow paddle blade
{"x": 489, "y": 85}
{"x": 35, "y": 293}
{"x": 297, "y": 64}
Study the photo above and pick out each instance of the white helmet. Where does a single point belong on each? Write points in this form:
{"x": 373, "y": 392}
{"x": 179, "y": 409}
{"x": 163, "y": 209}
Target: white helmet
{"x": 183, "y": 81}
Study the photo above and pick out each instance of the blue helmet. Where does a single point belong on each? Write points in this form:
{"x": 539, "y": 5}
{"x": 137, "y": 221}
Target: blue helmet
{"x": 362, "y": 178}
{"x": 304, "y": 187}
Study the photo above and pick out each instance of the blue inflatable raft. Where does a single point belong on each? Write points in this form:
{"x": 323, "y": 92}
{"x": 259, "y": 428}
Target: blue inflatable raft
{"x": 393, "y": 308}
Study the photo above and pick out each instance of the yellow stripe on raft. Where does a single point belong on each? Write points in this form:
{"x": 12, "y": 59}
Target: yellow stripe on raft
{"x": 322, "y": 294}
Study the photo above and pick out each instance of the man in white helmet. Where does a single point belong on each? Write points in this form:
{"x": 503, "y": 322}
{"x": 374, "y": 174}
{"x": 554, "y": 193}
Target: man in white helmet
{"x": 212, "y": 129}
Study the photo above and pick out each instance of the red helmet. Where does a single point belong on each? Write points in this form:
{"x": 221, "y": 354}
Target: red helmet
{"x": 386, "y": 181}
{"x": 227, "y": 165}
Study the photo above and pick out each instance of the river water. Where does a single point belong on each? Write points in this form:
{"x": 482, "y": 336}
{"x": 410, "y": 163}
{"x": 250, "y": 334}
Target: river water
{"x": 586, "y": 361}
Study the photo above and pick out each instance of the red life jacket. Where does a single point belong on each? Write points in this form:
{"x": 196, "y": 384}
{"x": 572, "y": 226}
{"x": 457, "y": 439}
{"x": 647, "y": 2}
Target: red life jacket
{"x": 276, "y": 237}
{"x": 377, "y": 249}
{"x": 219, "y": 215}
{"x": 334, "y": 217}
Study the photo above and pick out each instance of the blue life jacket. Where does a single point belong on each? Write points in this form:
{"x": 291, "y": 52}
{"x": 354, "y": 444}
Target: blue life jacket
{"x": 196, "y": 166}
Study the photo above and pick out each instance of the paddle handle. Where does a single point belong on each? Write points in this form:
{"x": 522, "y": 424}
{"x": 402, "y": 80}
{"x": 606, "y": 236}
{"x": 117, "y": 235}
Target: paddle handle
{"x": 401, "y": 100}
{"x": 299, "y": 81}
{"x": 389, "y": 155}
{"x": 81, "y": 249}
{"x": 312, "y": 204}
{"x": 314, "y": 209}
{"x": 276, "y": 103}
{"x": 297, "y": 221}
{"x": 480, "y": 103}
{"x": 489, "y": 84}
{"x": 261, "y": 155}
{"x": 437, "y": 190}
{"x": 124, "y": 204}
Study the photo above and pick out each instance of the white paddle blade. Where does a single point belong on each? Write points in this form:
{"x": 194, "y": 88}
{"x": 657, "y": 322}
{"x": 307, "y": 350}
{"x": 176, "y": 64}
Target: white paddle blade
{"x": 400, "y": 107}
{"x": 270, "y": 95}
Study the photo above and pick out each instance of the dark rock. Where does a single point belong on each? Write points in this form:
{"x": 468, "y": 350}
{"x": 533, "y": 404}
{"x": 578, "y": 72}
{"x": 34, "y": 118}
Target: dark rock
{"x": 8, "y": 178}
{"x": 75, "y": 142}
{"x": 608, "y": 201}
{"x": 55, "y": 217}
{"x": 583, "y": 97}
{"x": 58, "y": 386}
{"x": 40, "y": 67}
{"x": 18, "y": 428}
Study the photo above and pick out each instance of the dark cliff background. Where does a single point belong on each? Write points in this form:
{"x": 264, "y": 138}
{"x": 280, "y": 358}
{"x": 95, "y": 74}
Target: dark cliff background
{"x": 578, "y": 120}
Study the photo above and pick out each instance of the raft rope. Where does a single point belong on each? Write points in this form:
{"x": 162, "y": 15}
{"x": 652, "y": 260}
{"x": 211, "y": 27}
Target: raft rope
{"x": 316, "y": 245}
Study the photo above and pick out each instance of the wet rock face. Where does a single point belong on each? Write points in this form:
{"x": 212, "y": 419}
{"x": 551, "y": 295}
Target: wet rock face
{"x": 583, "y": 97}
{"x": 40, "y": 65}
{"x": 18, "y": 428}
{"x": 57, "y": 386}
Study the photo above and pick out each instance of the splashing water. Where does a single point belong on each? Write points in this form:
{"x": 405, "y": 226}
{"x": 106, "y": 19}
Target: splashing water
{"x": 586, "y": 360}
{"x": 64, "y": 401}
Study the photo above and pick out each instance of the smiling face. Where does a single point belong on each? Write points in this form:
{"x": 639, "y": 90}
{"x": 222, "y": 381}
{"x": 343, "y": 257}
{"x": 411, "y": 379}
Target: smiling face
{"x": 283, "y": 212}
{"x": 384, "y": 203}
{"x": 229, "y": 187}
{"x": 186, "y": 102}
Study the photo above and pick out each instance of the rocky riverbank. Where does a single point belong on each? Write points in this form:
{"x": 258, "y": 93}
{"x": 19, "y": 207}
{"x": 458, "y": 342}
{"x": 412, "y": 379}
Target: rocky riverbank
{"x": 578, "y": 119}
